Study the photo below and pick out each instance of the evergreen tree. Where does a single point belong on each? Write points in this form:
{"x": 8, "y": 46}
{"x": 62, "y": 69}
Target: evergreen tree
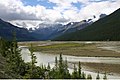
{"x": 66, "y": 71}
{"x": 15, "y": 64}
{"x": 74, "y": 74}
{"x": 33, "y": 61}
{"x": 61, "y": 67}
{"x": 89, "y": 77}
{"x": 66, "y": 65}
{"x": 32, "y": 72}
{"x": 56, "y": 63}
{"x": 79, "y": 70}
{"x": 17, "y": 55}
{"x": 54, "y": 74}
{"x": 4, "y": 46}
{"x": 42, "y": 71}
{"x": 48, "y": 67}
{"x": 105, "y": 76}
{"x": 97, "y": 77}
{"x": 33, "y": 57}
{"x": 48, "y": 71}
{"x": 83, "y": 75}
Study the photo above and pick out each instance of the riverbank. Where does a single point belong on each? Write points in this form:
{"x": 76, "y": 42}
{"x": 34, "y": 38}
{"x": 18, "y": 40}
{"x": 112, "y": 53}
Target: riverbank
{"x": 89, "y": 64}
{"x": 74, "y": 48}
{"x": 110, "y": 69}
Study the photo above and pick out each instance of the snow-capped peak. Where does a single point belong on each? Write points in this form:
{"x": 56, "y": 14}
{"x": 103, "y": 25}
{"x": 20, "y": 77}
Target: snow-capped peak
{"x": 26, "y": 23}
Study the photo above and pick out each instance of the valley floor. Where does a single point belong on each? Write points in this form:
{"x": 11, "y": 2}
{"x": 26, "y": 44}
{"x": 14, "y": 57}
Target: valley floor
{"x": 83, "y": 49}
{"x": 76, "y": 48}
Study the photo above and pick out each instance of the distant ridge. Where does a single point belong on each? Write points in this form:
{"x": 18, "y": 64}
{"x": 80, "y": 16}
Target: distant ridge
{"x": 107, "y": 28}
{"x": 6, "y": 31}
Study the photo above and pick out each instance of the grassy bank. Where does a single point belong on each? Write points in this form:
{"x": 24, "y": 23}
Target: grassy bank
{"x": 72, "y": 48}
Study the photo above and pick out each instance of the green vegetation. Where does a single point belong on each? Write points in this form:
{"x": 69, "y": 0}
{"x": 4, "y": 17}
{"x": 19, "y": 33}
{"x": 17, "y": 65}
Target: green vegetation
{"x": 75, "y": 49}
{"x": 60, "y": 46}
{"x": 107, "y": 28}
{"x": 105, "y": 77}
{"x": 98, "y": 77}
{"x": 15, "y": 67}
{"x": 89, "y": 77}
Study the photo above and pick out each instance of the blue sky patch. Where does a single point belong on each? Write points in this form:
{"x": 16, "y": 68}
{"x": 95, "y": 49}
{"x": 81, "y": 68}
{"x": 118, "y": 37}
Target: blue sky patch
{"x": 78, "y": 5}
{"x": 44, "y": 3}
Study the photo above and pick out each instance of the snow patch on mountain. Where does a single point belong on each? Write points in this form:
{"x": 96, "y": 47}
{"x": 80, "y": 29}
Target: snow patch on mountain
{"x": 28, "y": 24}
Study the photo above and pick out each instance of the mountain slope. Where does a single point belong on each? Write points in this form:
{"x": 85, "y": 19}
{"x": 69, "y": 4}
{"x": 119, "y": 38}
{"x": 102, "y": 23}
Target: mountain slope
{"x": 6, "y": 31}
{"x": 45, "y": 30}
{"x": 50, "y": 31}
{"x": 70, "y": 27}
{"x": 107, "y": 28}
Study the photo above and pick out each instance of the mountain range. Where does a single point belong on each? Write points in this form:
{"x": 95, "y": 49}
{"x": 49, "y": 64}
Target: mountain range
{"x": 7, "y": 30}
{"x": 27, "y": 31}
{"x": 106, "y": 28}
{"x": 48, "y": 31}
{"x": 55, "y": 30}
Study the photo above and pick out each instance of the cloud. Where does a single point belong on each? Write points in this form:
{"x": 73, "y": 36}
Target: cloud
{"x": 15, "y": 9}
{"x": 98, "y": 8}
{"x": 64, "y": 11}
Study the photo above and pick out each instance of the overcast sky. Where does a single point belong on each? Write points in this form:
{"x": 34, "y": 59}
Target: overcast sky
{"x": 55, "y": 10}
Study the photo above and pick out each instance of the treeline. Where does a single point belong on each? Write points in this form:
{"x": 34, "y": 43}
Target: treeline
{"x": 18, "y": 69}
